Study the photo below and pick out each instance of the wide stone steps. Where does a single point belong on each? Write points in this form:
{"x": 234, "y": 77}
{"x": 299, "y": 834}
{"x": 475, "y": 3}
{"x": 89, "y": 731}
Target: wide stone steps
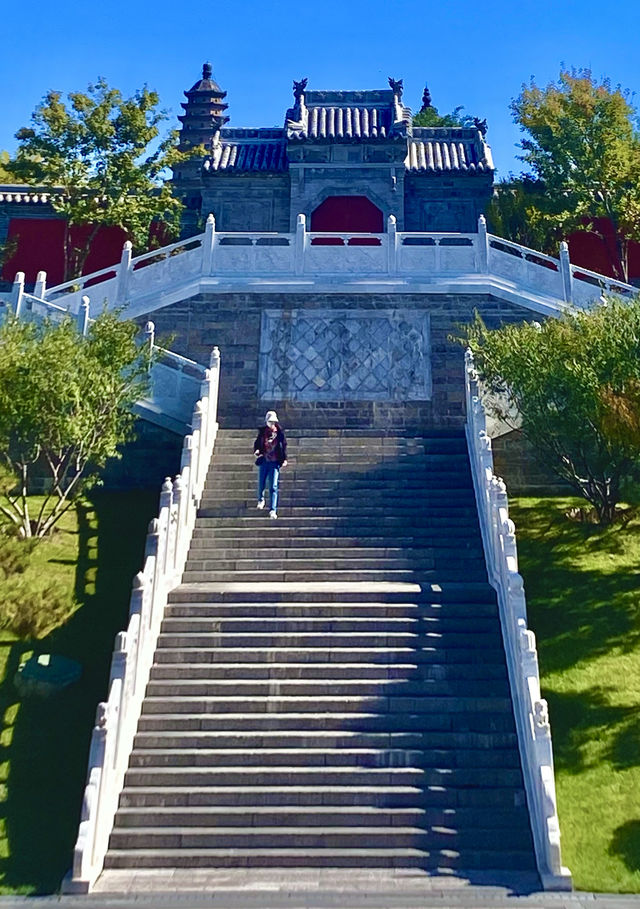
{"x": 329, "y": 690}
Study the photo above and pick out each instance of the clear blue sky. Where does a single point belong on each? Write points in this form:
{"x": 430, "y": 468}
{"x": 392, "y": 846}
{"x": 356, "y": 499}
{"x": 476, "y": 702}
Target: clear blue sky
{"x": 475, "y": 54}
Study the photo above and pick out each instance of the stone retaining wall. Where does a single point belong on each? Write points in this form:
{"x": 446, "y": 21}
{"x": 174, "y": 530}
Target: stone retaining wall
{"x": 235, "y": 322}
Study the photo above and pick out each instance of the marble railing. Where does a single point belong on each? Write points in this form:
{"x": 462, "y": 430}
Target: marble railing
{"x": 166, "y": 550}
{"x": 174, "y": 381}
{"x": 530, "y": 710}
{"x": 220, "y": 259}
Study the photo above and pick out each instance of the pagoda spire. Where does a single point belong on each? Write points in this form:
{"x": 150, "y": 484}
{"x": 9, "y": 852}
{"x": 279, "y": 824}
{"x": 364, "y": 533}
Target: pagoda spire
{"x": 204, "y": 111}
{"x": 426, "y": 99}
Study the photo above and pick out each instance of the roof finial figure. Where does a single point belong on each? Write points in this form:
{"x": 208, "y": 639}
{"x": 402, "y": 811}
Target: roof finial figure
{"x": 396, "y": 86}
{"x": 207, "y": 71}
{"x": 426, "y": 99}
{"x": 481, "y": 125}
{"x": 298, "y": 88}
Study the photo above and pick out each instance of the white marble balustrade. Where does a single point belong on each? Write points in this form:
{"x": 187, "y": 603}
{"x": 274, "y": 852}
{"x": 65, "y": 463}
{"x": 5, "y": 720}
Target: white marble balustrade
{"x": 530, "y": 709}
{"x": 213, "y": 260}
{"x": 166, "y": 550}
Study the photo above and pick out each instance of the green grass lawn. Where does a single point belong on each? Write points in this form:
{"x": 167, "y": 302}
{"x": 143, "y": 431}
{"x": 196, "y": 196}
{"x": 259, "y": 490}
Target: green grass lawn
{"x": 583, "y": 595}
{"x": 44, "y": 742}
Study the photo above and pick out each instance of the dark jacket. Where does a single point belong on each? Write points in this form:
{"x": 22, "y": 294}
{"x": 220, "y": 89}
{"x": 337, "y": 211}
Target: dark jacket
{"x": 281, "y": 444}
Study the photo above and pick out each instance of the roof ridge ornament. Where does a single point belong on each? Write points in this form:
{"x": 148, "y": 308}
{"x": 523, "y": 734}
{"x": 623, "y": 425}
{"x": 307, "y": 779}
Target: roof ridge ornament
{"x": 396, "y": 86}
{"x": 299, "y": 89}
{"x": 207, "y": 71}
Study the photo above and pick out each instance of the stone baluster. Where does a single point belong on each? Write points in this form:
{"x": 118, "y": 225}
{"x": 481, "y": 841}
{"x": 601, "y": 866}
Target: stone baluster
{"x": 196, "y": 425}
{"x": 82, "y": 318}
{"x": 166, "y": 494}
{"x": 301, "y": 244}
{"x": 208, "y": 244}
{"x": 482, "y": 257}
{"x": 17, "y": 294}
{"x": 565, "y": 271}
{"x": 150, "y": 336}
{"x": 186, "y": 463}
{"x": 392, "y": 248}
{"x": 41, "y": 285}
{"x": 180, "y": 502}
{"x": 124, "y": 270}
{"x": 152, "y": 545}
{"x": 214, "y": 386}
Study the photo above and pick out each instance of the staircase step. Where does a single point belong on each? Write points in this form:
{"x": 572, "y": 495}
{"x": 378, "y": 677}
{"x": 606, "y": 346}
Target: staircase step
{"x": 479, "y": 778}
{"x": 337, "y": 721}
{"x": 336, "y": 591}
{"x": 325, "y": 671}
{"x": 260, "y": 816}
{"x": 460, "y": 612}
{"x": 335, "y": 624}
{"x": 274, "y": 858}
{"x": 339, "y": 738}
{"x": 463, "y": 661}
{"x": 320, "y": 838}
{"x": 279, "y": 640}
{"x": 394, "y": 703}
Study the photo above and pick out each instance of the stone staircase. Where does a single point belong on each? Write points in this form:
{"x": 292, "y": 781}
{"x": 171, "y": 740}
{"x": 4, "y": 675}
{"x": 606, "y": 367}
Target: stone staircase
{"x": 330, "y": 689}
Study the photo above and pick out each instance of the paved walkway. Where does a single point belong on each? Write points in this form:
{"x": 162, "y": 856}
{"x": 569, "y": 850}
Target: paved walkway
{"x": 308, "y": 890}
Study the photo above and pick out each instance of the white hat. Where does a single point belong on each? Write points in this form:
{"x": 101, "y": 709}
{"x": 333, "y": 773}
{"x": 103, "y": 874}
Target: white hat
{"x": 271, "y": 417}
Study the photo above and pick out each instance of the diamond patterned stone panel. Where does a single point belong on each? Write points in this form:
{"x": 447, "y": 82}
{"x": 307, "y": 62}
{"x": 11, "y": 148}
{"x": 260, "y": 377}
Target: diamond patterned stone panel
{"x": 345, "y": 355}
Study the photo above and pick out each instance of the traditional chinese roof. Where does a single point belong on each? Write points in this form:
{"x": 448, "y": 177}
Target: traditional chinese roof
{"x": 241, "y": 150}
{"x": 433, "y": 149}
{"x": 347, "y": 116}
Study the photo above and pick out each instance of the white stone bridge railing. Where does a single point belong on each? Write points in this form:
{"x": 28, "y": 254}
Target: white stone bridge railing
{"x": 166, "y": 550}
{"x": 530, "y": 710}
{"x": 227, "y": 260}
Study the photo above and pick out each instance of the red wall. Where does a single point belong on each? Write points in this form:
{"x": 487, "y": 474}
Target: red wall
{"x": 597, "y": 253}
{"x": 41, "y": 248}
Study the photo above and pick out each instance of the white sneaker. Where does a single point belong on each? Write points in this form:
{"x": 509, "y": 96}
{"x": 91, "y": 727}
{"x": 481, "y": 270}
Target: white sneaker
{"x": 273, "y": 515}
{"x": 260, "y": 504}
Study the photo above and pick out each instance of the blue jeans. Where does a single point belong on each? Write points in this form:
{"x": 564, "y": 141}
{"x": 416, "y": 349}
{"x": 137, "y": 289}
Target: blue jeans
{"x": 268, "y": 478}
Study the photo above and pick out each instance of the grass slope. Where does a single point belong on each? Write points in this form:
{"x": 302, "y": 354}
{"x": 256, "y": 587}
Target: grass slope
{"x": 583, "y": 595}
{"x": 44, "y": 743}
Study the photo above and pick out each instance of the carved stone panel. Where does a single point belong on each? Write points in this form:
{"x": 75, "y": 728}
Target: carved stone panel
{"x": 345, "y": 355}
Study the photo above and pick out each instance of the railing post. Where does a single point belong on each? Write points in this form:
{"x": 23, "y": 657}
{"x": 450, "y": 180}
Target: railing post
{"x": 17, "y": 294}
{"x": 214, "y": 387}
{"x": 301, "y": 242}
{"x": 41, "y": 285}
{"x": 482, "y": 259}
{"x": 565, "y": 271}
{"x": 123, "y": 272}
{"x": 180, "y": 505}
{"x": 392, "y": 240}
{"x": 208, "y": 242}
{"x": 82, "y": 317}
{"x": 151, "y": 549}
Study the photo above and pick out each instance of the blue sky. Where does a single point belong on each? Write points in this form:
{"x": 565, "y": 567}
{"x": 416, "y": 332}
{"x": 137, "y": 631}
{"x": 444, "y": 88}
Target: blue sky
{"x": 475, "y": 54}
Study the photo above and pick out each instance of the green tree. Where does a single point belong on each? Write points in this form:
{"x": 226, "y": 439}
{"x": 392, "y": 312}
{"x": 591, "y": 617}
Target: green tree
{"x": 64, "y": 409}
{"x": 582, "y": 142}
{"x": 101, "y": 155}
{"x": 6, "y": 175}
{"x": 575, "y": 384}
{"x": 519, "y": 212}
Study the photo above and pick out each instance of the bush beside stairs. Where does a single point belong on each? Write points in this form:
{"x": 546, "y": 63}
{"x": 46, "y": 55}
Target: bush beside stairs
{"x": 330, "y": 689}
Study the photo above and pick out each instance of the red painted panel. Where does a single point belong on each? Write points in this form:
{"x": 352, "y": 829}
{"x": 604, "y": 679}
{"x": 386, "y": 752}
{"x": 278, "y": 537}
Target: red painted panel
{"x": 348, "y": 214}
{"x": 40, "y": 247}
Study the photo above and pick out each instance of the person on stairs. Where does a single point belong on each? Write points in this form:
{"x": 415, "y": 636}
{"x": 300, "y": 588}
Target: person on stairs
{"x": 270, "y": 450}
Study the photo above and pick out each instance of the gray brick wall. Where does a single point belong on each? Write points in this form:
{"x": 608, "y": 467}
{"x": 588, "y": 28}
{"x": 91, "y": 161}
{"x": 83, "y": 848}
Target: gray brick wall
{"x": 232, "y": 322}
